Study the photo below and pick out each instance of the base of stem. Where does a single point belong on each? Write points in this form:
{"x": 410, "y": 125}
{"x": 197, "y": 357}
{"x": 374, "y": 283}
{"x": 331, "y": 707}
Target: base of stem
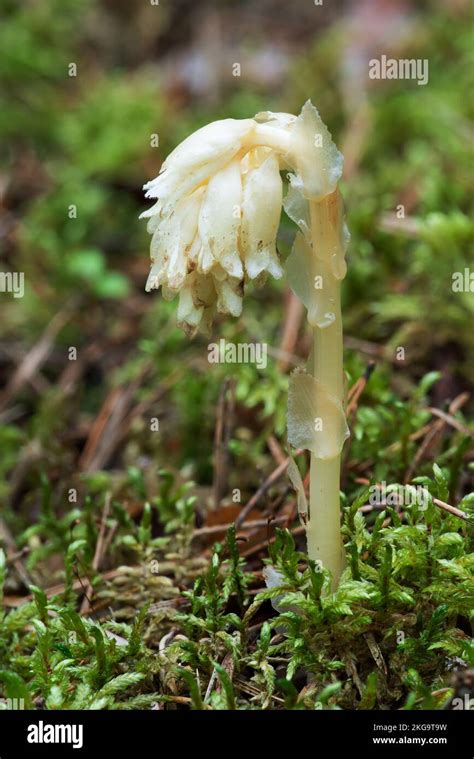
{"x": 325, "y": 544}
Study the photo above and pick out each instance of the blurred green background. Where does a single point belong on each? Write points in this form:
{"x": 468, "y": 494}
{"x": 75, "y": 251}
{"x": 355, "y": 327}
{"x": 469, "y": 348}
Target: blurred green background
{"x": 75, "y": 151}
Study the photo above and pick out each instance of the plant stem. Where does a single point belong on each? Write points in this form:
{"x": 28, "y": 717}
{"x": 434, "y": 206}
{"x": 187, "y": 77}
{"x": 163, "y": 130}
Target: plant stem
{"x": 323, "y": 528}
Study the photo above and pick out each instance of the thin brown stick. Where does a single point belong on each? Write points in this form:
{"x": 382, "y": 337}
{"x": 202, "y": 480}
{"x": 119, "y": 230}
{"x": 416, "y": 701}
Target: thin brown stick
{"x": 448, "y": 419}
{"x": 106, "y": 431}
{"x": 275, "y": 449}
{"x": 434, "y": 431}
{"x": 273, "y": 477}
{"x": 442, "y": 505}
{"x": 36, "y": 356}
{"x": 261, "y": 546}
{"x": 12, "y": 553}
{"x": 215, "y": 529}
{"x": 374, "y": 350}
{"x": 452, "y": 510}
{"x": 358, "y": 388}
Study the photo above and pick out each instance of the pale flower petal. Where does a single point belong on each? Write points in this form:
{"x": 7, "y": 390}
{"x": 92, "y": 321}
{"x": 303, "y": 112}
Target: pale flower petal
{"x": 188, "y": 314}
{"x": 173, "y": 185}
{"x": 229, "y": 296}
{"x": 278, "y": 119}
{"x": 195, "y": 160}
{"x": 217, "y": 211}
{"x": 219, "y": 220}
{"x": 261, "y": 210}
{"x": 170, "y": 242}
{"x": 205, "y": 260}
{"x": 218, "y": 140}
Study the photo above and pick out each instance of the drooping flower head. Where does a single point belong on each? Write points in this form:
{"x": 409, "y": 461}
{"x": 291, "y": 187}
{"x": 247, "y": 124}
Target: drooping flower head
{"x": 218, "y": 198}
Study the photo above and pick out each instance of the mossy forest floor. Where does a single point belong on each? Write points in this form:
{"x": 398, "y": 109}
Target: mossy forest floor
{"x": 143, "y": 490}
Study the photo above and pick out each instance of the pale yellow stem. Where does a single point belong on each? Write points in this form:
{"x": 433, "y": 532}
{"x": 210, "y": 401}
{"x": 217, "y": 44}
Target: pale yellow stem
{"x": 324, "y": 527}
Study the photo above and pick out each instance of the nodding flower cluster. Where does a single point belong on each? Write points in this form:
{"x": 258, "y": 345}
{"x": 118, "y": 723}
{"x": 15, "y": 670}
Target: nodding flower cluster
{"x": 219, "y": 196}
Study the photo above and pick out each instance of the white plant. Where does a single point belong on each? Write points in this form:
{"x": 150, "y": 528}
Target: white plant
{"x": 214, "y": 225}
